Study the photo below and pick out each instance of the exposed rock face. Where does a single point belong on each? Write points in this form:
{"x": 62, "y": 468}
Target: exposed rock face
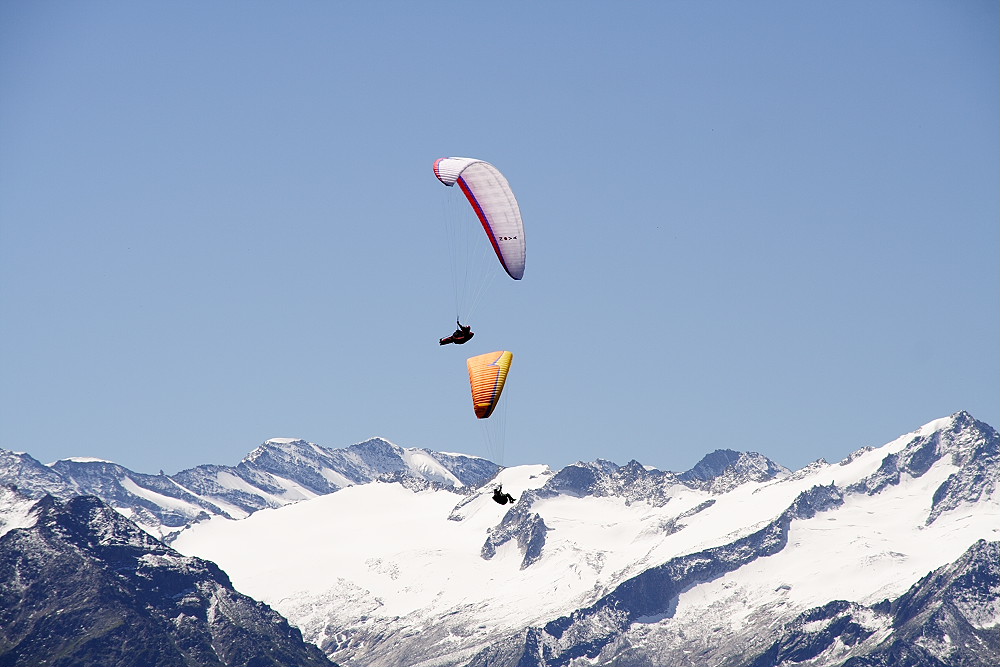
{"x": 724, "y": 470}
{"x": 520, "y": 524}
{"x": 718, "y": 472}
{"x": 632, "y": 482}
{"x": 976, "y": 450}
{"x": 81, "y": 585}
{"x": 972, "y": 446}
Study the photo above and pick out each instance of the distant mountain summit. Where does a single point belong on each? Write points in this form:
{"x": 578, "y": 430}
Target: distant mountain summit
{"x": 724, "y": 469}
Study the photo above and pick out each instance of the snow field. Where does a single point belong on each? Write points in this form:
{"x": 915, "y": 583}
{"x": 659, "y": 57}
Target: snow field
{"x": 15, "y": 512}
{"x": 852, "y": 552}
{"x": 396, "y": 546}
{"x": 378, "y": 558}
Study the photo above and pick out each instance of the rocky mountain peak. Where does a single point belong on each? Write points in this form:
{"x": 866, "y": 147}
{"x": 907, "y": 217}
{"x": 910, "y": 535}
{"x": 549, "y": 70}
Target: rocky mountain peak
{"x": 278, "y": 446}
{"x": 725, "y": 469}
{"x": 90, "y": 587}
{"x": 633, "y": 481}
{"x": 711, "y": 465}
{"x": 32, "y": 477}
{"x": 971, "y": 446}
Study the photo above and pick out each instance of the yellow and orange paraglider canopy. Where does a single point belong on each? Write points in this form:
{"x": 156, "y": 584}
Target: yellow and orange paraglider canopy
{"x": 487, "y": 374}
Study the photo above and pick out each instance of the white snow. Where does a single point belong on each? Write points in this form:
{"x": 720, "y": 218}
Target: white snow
{"x": 221, "y": 503}
{"x": 853, "y": 553}
{"x": 380, "y": 554}
{"x": 464, "y": 456}
{"x": 80, "y": 459}
{"x": 230, "y": 481}
{"x": 421, "y": 461}
{"x": 294, "y": 491}
{"x": 397, "y": 554}
{"x": 282, "y": 441}
{"x": 335, "y": 478}
{"x": 523, "y": 478}
{"x": 376, "y": 536}
{"x": 15, "y": 511}
{"x": 931, "y": 427}
{"x": 182, "y": 506}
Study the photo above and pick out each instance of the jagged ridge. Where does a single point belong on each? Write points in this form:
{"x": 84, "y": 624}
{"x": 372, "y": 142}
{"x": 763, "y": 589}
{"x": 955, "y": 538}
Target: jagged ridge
{"x": 275, "y": 474}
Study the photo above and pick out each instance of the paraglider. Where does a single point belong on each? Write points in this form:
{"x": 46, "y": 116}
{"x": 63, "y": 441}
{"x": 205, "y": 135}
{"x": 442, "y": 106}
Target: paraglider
{"x": 496, "y": 208}
{"x": 487, "y": 375}
{"x": 463, "y": 334}
{"x": 501, "y": 497}
{"x": 493, "y": 201}
{"x": 487, "y": 379}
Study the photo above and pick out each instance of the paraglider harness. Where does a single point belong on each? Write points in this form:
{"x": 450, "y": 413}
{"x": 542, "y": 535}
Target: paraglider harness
{"x": 463, "y": 334}
{"x": 501, "y": 497}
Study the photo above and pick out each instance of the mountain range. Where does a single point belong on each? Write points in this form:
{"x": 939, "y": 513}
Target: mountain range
{"x": 279, "y": 472}
{"x": 384, "y": 555}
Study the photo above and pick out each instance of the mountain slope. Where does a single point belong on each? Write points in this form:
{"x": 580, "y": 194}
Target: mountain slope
{"x": 81, "y": 585}
{"x": 384, "y": 555}
{"x": 949, "y": 617}
{"x": 599, "y": 561}
{"x": 870, "y": 539}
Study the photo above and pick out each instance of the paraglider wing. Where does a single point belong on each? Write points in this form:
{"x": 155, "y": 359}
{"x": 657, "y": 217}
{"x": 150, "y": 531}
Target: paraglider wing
{"x": 494, "y": 202}
{"x": 487, "y": 374}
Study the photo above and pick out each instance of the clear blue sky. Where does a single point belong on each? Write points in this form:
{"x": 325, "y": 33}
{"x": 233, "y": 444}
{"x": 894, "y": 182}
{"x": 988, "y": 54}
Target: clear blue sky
{"x": 767, "y": 226}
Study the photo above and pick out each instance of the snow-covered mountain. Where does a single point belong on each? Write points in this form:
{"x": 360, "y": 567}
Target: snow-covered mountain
{"x": 279, "y": 472}
{"x": 389, "y": 556}
{"x": 736, "y": 562}
{"x": 948, "y": 617}
{"x": 82, "y": 585}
